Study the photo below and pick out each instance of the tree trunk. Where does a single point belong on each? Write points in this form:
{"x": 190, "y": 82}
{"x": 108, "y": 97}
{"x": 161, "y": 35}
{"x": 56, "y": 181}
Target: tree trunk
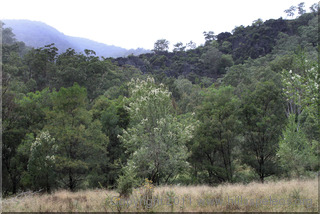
{"x": 71, "y": 186}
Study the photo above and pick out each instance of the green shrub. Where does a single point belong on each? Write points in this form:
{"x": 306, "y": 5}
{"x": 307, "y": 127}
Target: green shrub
{"x": 127, "y": 181}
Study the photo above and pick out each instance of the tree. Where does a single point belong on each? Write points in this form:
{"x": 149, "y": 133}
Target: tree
{"x": 12, "y": 135}
{"x": 209, "y": 36}
{"x": 81, "y": 144}
{"x": 191, "y": 45}
{"x": 221, "y": 37}
{"x": 41, "y": 65}
{"x": 301, "y": 9}
{"x": 89, "y": 52}
{"x": 226, "y": 47}
{"x": 211, "y": 59}
{"x": 72, "y": 68}
{"x": 7, "y": 35}
{"x": 179, "y": 47}
{"x": 296, "y": 153}
{"x": 41, "y": 162}
{"x": 226, "y": 61}
{"x": 290, "y": 11}
{"x": 128, "y": 180}
{"x": 257, "y": 22}
{"x": 189, "y": 95}
{"x": 263, "y": 119}
{"x": 161, "y": 45}
{"x": 18, "y": 119}
{"x": 300, "y": 85}
{"x": 114, "y": 118}
{"x": 155, "y": 138}
{"x": 238, "y": 29}
{"x": 314, "y": 8}
{"x": 217, "y": 136}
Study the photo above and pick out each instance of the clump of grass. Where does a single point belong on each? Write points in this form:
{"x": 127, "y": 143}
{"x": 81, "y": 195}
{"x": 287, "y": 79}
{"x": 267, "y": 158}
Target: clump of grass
{"x": 295, "y": 194}
{"x": 171, "y": 199}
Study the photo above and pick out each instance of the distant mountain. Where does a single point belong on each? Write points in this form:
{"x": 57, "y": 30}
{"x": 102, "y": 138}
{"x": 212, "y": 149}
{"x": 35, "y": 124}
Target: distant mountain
{"x": 38, "y": 34}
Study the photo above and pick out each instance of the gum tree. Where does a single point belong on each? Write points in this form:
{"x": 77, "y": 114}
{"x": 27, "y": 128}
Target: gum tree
{"x": 217, "y": 135}
{"x": 263, "y": 120}
{"x": 81, "y": 145}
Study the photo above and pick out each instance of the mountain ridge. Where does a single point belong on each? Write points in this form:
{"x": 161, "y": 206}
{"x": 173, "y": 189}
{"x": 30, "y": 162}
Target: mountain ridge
{"x": 38, "y": 34}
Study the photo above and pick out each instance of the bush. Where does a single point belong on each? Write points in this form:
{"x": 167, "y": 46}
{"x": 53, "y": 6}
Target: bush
{"x": 127, "y": 181}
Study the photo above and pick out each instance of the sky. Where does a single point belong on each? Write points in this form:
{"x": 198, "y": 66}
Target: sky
{"x": 139, "y": 23}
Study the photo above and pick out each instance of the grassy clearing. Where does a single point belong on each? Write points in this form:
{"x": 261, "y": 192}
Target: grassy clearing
{"x": 288, "y": 196}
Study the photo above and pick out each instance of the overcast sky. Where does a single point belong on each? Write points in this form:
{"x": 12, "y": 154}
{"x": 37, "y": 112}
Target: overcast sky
{"x": 139, "y": 23}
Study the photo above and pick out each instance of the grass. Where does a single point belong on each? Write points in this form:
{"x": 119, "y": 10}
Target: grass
{"x": 286, "y": 196}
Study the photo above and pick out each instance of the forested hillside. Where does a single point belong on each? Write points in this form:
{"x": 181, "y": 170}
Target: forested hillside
{"x": 242, "y": 107}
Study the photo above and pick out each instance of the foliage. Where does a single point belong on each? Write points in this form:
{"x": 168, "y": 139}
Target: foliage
{"x": 296, "y": 153}
{"x": 217, "y": 135}
{"x": 42, "y": 161}
{"x": 217, "y": 112}
{"x": 189, "y": 94}
{"x": 156, "y": 137}
{"x": 263, "y": 118}
{"x": 114, "y": 118}
{"x": 127, "y": 181}
{"x": 161, "y": 45}
{"x": 301, "y": 85}
{"x": 78, "y": 137}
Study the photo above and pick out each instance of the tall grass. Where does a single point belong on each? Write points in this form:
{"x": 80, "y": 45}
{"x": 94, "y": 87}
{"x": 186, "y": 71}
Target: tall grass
{"x": 280, "y": 196}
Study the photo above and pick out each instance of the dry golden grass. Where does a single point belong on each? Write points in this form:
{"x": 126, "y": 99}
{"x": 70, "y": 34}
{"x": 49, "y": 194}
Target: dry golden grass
{"x": 302, "y": 195}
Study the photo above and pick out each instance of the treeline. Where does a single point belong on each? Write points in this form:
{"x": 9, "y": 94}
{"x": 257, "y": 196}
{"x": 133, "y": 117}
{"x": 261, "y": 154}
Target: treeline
{"x": 211, "y": 60}
{"x": 73, "y": 120}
